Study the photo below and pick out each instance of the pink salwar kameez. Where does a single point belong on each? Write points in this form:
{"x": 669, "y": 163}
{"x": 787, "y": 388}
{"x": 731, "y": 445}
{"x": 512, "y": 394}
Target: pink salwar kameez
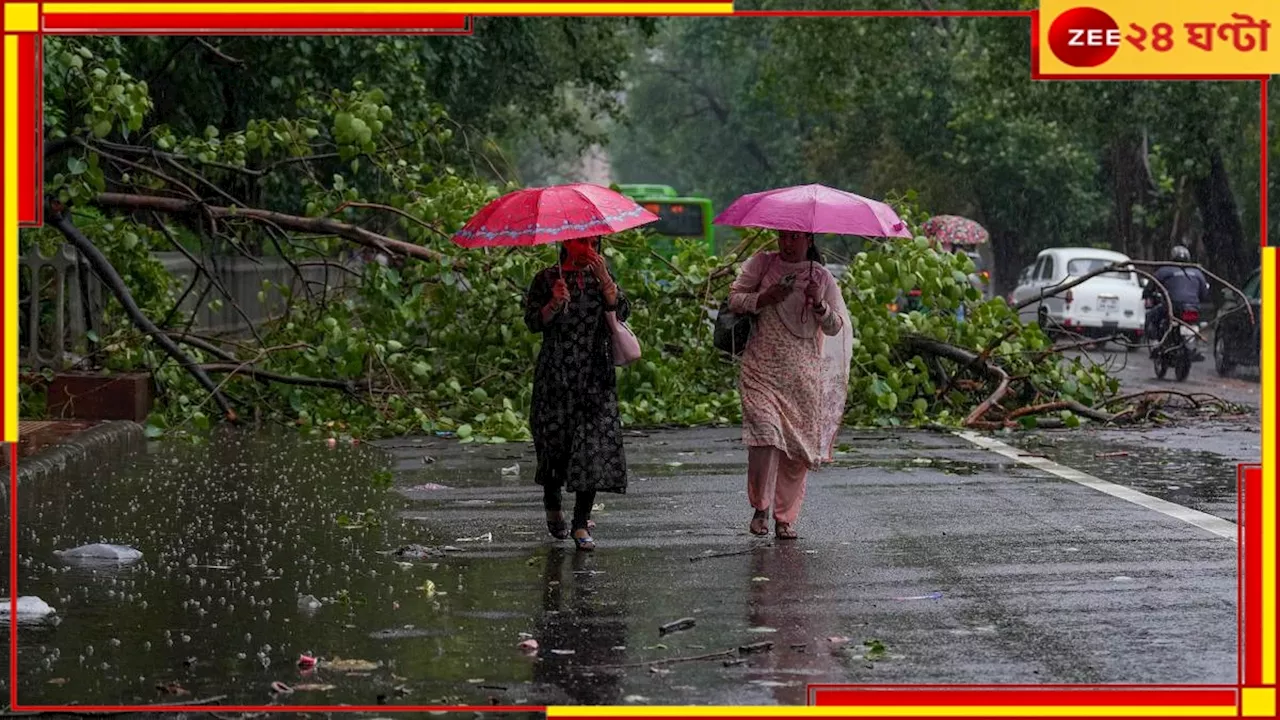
{"x": 793, "y": 382}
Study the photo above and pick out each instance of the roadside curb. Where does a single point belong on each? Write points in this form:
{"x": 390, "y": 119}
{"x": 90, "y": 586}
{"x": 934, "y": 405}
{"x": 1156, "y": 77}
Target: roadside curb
{"x": 81, "y": 452}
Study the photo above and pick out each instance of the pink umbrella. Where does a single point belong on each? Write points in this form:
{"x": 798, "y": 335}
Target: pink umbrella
{"x": 815, "y": 209}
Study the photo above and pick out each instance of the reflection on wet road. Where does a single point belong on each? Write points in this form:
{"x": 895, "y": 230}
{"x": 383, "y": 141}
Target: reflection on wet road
{"x": 921, "y": 559}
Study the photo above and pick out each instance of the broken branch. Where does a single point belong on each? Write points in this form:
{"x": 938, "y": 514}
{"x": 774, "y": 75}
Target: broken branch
{"x": 360, "y": 236}
{"x": 107, "y": 272}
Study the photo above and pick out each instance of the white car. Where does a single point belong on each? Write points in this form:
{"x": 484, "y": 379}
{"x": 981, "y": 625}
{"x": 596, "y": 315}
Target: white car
{"x": 1102, "y": 306}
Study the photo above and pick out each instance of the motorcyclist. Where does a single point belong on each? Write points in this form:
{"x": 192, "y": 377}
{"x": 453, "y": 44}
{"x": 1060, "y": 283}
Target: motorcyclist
{"x": 1187, "y": 288}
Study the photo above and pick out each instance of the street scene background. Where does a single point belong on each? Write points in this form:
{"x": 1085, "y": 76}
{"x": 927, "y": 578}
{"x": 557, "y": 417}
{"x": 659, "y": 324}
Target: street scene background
{"x": 251, "y": 353}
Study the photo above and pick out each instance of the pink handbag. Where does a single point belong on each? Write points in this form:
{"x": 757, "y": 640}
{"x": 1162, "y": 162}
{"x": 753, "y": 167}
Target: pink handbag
{"x": 626, "y": 348}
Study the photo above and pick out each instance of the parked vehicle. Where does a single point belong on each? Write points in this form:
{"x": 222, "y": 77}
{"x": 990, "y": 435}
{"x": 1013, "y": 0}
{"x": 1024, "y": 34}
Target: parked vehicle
{"x": 1238, "y": 340}
{"x": 1102, "y": 306}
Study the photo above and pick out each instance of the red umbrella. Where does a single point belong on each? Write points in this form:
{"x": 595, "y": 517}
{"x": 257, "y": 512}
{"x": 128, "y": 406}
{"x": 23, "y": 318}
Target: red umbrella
{"x": 538, "y": 216}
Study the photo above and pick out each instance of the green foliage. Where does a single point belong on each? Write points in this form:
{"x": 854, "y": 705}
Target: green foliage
{"x": 945, "y": 106}
{"x": 890, "y": 384}
{"x": 426, "y": 347}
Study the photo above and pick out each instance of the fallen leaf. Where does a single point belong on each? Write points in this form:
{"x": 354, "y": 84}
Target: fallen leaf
{"x": 875, "y": 649}
{"x": 339, "y": 665}
{"x": 313, "y": 687}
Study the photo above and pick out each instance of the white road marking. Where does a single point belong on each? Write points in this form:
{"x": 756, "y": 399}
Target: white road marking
{"x": 1213, "y": 524}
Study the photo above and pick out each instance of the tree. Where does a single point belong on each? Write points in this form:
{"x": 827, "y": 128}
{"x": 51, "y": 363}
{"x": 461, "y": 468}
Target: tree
{"x": 946, "y": 107}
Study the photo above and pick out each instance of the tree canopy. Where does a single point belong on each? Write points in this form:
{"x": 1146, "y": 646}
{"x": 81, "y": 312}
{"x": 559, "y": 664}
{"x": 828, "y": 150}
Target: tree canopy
{"x": 329, "y": 151}
{"x": 947, "y": 107}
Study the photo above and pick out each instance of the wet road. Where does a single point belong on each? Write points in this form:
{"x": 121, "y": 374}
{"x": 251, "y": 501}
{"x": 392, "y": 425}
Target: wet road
{"x": 1136, "y": 373}
{"x": 922, "y": 558}
{"x": 1040, "y": 580}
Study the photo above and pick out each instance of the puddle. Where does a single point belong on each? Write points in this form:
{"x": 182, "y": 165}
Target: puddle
{"x": 233, "y": 534}
{"x": 259, "y": 550}
{"x": 1203, "y": 481}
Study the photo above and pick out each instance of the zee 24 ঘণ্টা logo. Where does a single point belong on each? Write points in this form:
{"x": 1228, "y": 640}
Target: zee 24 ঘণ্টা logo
{"x": 1086, "y": 37}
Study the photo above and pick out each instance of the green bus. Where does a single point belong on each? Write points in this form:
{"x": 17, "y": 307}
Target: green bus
{"x": 679, "y": 217}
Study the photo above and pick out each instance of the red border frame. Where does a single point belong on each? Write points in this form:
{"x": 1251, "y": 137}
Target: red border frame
{"x": 1249, "y": 508}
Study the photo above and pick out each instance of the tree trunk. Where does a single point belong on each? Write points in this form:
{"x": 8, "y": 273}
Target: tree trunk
{"x": 1006, "y": 258}
{"x": 1122, "y": 167}
{"x": 1225, "y": 250}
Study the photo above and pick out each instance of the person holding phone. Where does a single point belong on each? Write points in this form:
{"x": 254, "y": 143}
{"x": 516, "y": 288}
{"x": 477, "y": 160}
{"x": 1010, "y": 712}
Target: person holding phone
{"x": 794, "y": 374}
{"x": 577, "y": 432}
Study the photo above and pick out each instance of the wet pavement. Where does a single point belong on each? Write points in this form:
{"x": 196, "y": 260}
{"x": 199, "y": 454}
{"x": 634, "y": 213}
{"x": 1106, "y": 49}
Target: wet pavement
{"x": 1136, "y": 373}
{"x": 922, "y": 558}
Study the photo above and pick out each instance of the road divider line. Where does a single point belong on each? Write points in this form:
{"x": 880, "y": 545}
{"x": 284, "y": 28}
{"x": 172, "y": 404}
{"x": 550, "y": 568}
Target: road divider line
{"x": 1205, "y": 521}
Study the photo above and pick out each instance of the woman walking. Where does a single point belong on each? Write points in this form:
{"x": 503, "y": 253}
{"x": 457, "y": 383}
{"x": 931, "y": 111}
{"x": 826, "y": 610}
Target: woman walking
{"x": 576, "y": 429}
{"x": 793, "y": 378}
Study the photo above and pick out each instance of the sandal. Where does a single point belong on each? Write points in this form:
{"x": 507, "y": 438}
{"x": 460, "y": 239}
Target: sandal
{"x": 585, "y": 543}
{"x": 783, "y": 531}
{"x": 760, "y": 523}
{"x": 558, "y": 528}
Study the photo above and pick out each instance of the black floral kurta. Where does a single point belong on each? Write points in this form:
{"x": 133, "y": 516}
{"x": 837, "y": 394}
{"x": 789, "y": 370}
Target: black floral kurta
{"x": 576, "y": 429}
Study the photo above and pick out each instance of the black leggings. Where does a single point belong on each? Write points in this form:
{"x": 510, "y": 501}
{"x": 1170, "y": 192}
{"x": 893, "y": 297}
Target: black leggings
{"x": 553, "y": 502}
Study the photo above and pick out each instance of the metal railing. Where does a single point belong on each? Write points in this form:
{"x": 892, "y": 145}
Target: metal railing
{"x": 63, "y": 298}
{"x": 77, "y": 307}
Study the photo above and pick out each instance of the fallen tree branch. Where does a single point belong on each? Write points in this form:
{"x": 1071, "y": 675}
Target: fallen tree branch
{"x": 360, "y": 236}
{"x": 1245, "y": 298}
{"x": 981, "y": 357}
{"x": 204, "y": 345}
{"x": 967, "y": 357}
{"x": 1072, "y": 405}
{"x": 235, "y": 368}
{"x": 352, "y": 233}
{"x": 393, "y": 210}
{"x": 107, "y": 273}
{"x": 200, "y": 269}
{"x": 1113, "y": 267}
{"x": 138, "y": 166}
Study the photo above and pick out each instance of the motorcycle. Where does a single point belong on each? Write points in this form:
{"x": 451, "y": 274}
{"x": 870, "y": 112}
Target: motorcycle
{"x": 1178, "y": 349}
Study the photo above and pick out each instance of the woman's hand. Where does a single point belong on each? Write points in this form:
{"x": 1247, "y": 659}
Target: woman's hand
{"x": 559, "y": 295}
{"x": 607, "y": 286}
{"x": 813, "y": 293}
{"x": 774, "y": 295}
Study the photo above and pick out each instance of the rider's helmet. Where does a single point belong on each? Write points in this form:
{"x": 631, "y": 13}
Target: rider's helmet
{"x": 1180, "y": 254}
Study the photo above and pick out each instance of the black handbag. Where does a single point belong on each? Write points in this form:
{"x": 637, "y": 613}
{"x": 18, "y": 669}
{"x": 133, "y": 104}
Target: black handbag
{"x": 732, "y": 330}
